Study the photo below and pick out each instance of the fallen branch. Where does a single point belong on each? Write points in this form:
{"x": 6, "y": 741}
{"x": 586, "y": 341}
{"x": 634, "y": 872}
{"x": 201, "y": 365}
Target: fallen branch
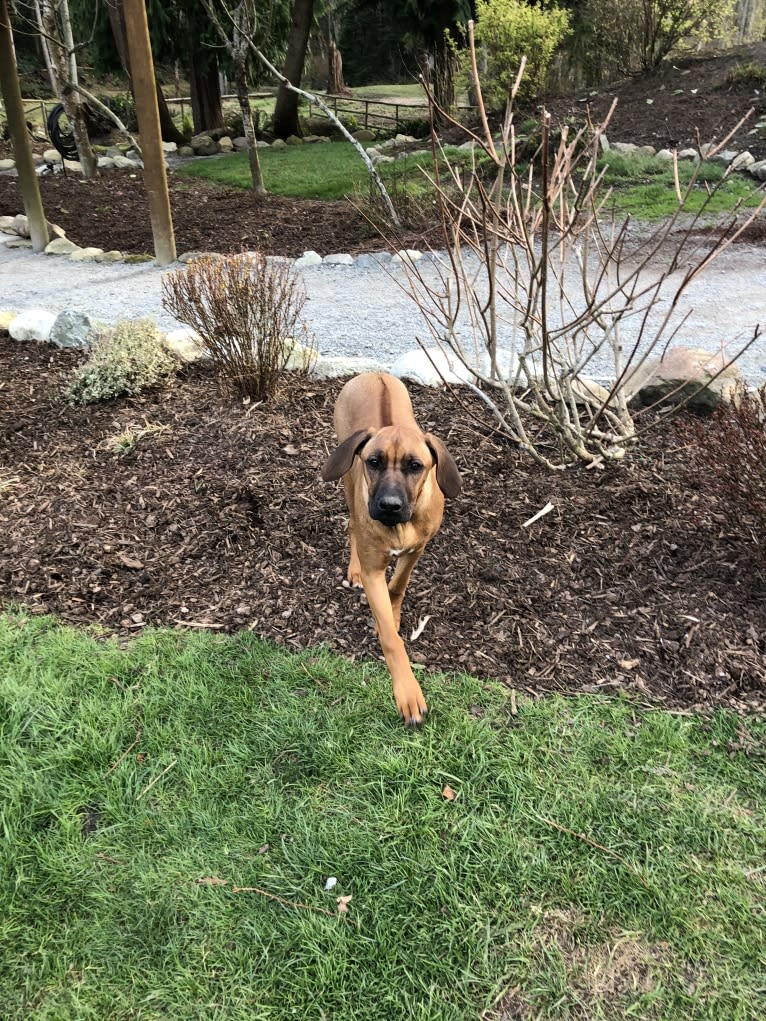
{"x": 156, "y": 780}
{"x": 271, "y": 896}
{"x": 593, "y": 843}
{"x": 540, "y": 514}
{"x": 127, "y": 752}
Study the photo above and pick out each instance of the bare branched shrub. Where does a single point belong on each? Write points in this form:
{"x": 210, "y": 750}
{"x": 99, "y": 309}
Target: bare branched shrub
{"x": 540, "y": 284}
{"x": 247, "y": 311}
{"x": 725, "y": 459}
{"x": 123, "y": 360}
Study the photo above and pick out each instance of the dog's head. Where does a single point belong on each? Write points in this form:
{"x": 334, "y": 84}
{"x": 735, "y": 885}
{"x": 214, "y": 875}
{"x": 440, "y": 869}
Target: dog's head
{"x": 396, "y": 462}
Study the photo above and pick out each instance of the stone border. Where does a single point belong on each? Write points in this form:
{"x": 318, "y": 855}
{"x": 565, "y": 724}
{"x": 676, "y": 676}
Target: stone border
{"x": 694, "y": 375}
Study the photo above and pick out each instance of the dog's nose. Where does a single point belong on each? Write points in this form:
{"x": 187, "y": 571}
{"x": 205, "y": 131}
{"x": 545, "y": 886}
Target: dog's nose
{"x": 391, "y": 503}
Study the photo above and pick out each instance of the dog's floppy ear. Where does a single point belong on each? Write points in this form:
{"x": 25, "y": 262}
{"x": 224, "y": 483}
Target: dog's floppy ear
{"x": 447, "y": 474}
{"x": 341, "y": 459}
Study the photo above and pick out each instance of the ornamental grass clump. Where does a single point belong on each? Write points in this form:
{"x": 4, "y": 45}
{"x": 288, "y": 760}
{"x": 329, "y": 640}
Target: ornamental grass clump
{"x": 124, "y": 360}
{"x": 246, "y": 310}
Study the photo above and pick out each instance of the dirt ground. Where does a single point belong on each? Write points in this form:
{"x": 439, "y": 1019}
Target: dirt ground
{"x": 218, "y": 519}
{"x": 667, "y": 108}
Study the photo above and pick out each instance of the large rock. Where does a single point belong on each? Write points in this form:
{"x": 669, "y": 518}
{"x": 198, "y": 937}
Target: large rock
{"x": 309, "y": 258}
{"x": 204, "y": 145}
{"x": 339, "y": 259}
{"x": 86, "y": 254}
{"x": 186, "y": 344}
{"x": 19, "y": 225}
{"x": 701, "y": 379}
{"x": 73, "y": 329}
{"x": 34, "y": 324}
{"x": 432, "y": 367}
{"x": 333, "y": 367}
{"x": 60, "y": 246}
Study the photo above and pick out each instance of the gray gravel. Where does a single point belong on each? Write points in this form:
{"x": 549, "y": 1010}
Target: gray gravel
{"x": 361, "y": 310}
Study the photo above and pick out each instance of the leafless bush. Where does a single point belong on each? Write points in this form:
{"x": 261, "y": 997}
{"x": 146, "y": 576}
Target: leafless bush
{"x": 539, "y": 283}
{"x": 247, "y": 311}
{"x": 725, "y": 459}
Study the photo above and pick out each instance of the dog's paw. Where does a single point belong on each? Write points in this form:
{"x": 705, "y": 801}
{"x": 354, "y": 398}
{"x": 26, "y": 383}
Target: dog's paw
{"x": 410, "y": 703}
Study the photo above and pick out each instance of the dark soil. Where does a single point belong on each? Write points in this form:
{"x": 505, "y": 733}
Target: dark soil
{"x": 689, "y": 97}
{"x": 636, "y": 580}
{"x": 685, "y": 101}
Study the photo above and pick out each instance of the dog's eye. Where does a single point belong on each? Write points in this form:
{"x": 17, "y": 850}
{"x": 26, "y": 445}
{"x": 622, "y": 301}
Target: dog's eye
{"x": 414, "y": 467}
{"x": 374, "y": 462}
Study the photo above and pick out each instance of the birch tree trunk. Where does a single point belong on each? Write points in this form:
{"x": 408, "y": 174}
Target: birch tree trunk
{"x": 57, "y": 37}
{"x": 242, "y": 20}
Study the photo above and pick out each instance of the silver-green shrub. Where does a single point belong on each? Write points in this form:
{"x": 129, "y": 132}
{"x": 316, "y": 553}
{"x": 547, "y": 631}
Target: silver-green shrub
{"x": 124, "y": 360}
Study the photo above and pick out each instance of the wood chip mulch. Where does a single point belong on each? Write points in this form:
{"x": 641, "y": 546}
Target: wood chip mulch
{"x": 219, "y": 519}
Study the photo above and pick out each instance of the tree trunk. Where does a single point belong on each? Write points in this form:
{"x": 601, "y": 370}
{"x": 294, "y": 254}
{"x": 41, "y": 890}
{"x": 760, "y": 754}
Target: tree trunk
{"x": 335, "y": 84}
{"x": 286, "y": 106}
{"x": 63, "y": 70}
{"x": 207, "y": 112}
{"x": 170, "y": 132}
{"x": 22, "y": 149}
{"x": 247, "y": 123}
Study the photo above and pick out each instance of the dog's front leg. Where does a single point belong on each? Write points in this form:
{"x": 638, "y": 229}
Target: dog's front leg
{"x": 400, "y": 580}
{"x": 407, "y": 693}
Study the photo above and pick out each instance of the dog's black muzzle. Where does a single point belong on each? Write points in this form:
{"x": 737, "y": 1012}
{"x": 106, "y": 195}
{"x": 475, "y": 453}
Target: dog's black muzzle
{"x": 390, "y": 507}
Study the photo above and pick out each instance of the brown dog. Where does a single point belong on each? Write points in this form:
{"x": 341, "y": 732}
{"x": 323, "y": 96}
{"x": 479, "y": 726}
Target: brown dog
{"x": 395, "y": 478}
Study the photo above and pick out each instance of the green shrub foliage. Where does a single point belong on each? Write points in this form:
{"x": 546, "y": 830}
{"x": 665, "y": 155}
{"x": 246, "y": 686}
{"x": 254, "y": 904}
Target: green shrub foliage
{"x": 123, "y": 361}
{"x": 508, "y": 30}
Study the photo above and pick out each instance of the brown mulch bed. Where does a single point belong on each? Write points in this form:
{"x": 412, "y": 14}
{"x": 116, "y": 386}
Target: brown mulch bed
{"x": 112, "y": 212}
{"x": 683, "y": 100}
{"x": 635, "y": 581}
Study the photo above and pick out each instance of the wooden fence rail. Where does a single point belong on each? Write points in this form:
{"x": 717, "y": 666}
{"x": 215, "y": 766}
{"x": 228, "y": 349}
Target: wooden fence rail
{"x": 367, "y": 111}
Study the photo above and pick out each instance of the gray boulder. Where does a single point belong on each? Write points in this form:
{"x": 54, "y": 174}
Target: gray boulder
{"x": 700, "y": 379}
{"x": 72, "y": 329}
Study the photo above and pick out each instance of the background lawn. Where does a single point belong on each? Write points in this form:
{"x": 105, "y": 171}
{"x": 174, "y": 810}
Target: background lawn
{"x": 598, "y": 860}
{"x": 329, "y": 171}
{"x": 641, "y": 185}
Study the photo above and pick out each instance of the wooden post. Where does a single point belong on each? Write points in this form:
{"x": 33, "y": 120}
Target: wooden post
{"x": 22, "y": 148}
{"x": 147, "y": 112}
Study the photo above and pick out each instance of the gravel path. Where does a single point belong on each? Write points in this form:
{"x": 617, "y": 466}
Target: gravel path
{"x": 360, "y": 310}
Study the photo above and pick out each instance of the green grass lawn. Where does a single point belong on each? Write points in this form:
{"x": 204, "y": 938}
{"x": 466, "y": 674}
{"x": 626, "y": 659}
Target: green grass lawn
{"x": 330, "y": 171}
{"x": 599, "y": 860}
{"x": 642, "y": 186}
